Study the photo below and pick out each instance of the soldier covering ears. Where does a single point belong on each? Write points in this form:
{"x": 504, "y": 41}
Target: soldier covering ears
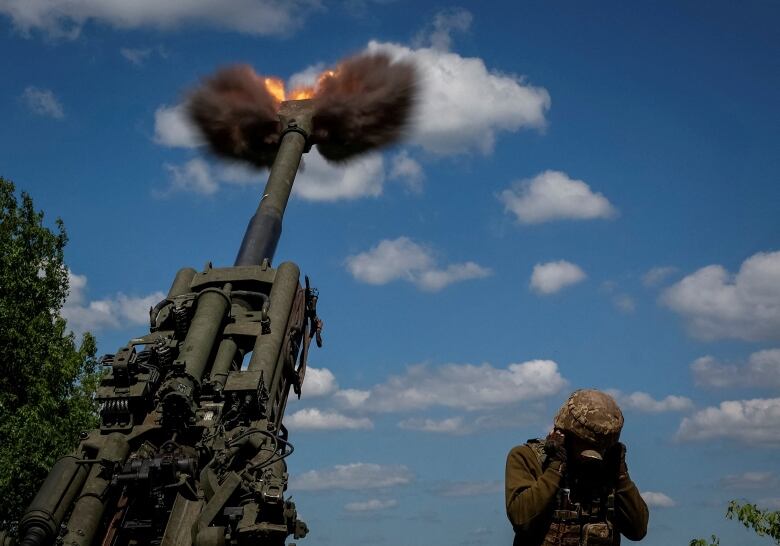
{"x": 573, "y": 488}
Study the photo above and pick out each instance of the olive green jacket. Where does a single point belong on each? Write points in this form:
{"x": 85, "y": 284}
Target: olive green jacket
{"x": 531, "y": 493}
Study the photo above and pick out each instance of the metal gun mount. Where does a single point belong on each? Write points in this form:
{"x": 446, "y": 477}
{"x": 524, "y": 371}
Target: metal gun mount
{"x": 191, "y": 443}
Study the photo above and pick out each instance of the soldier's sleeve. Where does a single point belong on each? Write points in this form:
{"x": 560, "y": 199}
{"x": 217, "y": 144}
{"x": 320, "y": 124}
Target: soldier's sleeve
{"x": 529, "y": 491}
{"x": 630, "y": 509}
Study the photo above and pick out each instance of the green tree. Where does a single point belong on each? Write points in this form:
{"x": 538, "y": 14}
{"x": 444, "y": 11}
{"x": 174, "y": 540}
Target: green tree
{"x": 764, "y": 522}
{"x": 714, "y": 541}
{"x": 47, "y": 381}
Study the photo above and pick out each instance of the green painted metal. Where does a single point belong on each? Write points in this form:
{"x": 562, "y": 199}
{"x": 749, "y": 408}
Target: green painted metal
{"x": 265, "y": 227}
{"x": 182, "y": 281}
{"x": 184, "y": 514}
{"x": 91, "y": 503}
{"x": 267, "y": 347}
{"x": 191, "y": 449}
{"x": 41, "y": 522}
{"x": 212, "y": 308}
{"x": 226, "y": 357}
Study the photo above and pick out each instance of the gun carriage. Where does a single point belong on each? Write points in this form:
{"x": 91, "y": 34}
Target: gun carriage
{"x": 191, "y": 446}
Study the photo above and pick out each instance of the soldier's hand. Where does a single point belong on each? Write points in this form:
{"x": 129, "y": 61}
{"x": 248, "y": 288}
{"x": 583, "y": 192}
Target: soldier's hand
{"x": 615, "y": 460}
{"x": 555, "y": 448}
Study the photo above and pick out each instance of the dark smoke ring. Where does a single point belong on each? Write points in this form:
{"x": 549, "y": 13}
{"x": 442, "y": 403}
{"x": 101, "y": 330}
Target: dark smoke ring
{"x": 366, "y": 104}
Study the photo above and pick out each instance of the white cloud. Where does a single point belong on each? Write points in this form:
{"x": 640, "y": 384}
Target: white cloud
{"x": 624, "y": 303}
{"x": 199, "y": 176}
{"x": 657, "y": 500}
{"x": 43, "y": 102}
{"x": 352, "y": 398}
{"x": 444, "y": 23}
{"x": 239, "y": 174}
{"x": 194, "y": 176}
{"x": 353, "y": 476}
{"x": 404, "y": 259}
{"x": 551, "y": 277}
{"x": 66, "y": 18}
{"x": 317, "y": 179}
{"x": 657, "y": 275}
{"x": 497, "y": 391}
{"x": 136, "y": 56}
{"x": 77, "y": 286}
{"x": 770, "y": 503}
{"x": 552, "y": 195}
{"x": 761, "y": 370}
{"x": 110, "y": 313}
{"x": 173, "y": 128}
{"x": 407, "y": 170}
{"x": 755, "y": 421}
{"x": 751, "y": 480}
{"x": 533, "y": 413}
{"x": 318, "y": 382}
{"x": 643, "y": 402}
{"x": 320, "y": 180}
{"x": 463, "y": 105}
{"x": 450, "y": 425}
{"x": 480, "y": 536}
{"x": 434, "y": 280}
{"x": 463, "y": 386}
{"x": 462, "y": 108}
{"x": 468, "y": 489}
{"x": 315, "y": 419}
{"x": 306, "y": 77}
{"x": 390, "y": 260}
{"x": 372, "y": 505}
{"x": 716, "y": 304}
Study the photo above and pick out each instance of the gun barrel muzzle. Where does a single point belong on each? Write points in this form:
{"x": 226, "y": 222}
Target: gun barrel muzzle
{"x": 265, "y": 227}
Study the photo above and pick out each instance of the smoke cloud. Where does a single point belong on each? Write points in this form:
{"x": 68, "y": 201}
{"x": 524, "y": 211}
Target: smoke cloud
{"x": 363, "y": 104}
{"x": 237, "y": 115}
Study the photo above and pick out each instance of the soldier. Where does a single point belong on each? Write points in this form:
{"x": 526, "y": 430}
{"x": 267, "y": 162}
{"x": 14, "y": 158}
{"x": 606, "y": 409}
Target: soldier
{"x": 573, "y": 488}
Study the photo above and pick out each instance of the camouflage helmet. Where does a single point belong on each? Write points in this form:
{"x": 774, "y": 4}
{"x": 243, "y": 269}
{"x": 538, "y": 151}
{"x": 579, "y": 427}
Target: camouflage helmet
{"x": 591, "y": 415}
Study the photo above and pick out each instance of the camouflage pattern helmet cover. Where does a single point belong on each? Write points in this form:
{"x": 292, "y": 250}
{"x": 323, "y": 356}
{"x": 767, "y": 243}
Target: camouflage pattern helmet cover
{"x": 591, "y": 415}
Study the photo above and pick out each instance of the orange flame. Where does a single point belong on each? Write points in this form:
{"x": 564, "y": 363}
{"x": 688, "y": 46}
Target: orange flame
{"x": 275, "y": 86}
{"x": 300, "y": 93}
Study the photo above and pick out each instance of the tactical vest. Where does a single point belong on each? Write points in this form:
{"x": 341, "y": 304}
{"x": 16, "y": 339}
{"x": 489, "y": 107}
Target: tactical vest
{"x": 579, "y": 522}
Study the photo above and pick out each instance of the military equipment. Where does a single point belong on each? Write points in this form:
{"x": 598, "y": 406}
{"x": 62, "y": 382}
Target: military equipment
{"x": 591, "y": 415}
{"x": 191, "y": 444}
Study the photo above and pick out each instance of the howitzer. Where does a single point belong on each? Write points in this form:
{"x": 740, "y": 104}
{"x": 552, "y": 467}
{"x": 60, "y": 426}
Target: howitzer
{"x": 191, "y": 444}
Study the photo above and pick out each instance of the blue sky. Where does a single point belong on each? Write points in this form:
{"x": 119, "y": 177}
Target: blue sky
{"x": 588, "y": 198}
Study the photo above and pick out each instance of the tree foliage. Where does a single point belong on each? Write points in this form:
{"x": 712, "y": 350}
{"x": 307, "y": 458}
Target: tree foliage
{"x": 47, "y": 381}
{"x": 765, "y": 523}
{"x": 714, "y": 541}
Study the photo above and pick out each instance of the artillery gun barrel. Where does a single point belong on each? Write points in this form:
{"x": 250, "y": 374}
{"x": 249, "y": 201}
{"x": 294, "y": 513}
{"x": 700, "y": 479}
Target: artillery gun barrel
{"x": 265, "y": 227}
{"x": 207, "y": 358}
{"x": 191, "y": 444}
{"x": 259, "y": 244}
